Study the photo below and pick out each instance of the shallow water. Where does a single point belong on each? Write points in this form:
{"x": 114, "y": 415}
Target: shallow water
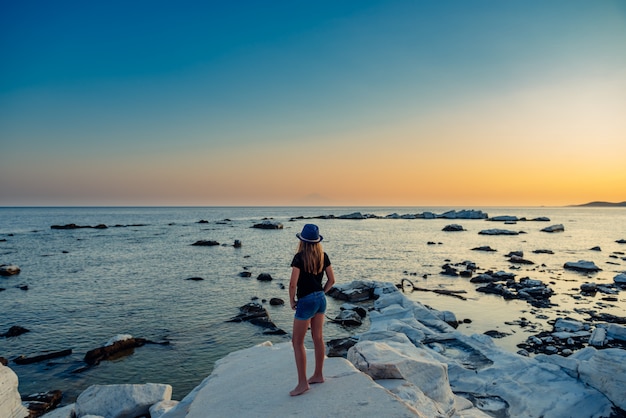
{"x": 87, "y": 285}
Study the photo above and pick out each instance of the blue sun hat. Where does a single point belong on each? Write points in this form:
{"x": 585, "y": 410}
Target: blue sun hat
{"x": 310, "y": 233}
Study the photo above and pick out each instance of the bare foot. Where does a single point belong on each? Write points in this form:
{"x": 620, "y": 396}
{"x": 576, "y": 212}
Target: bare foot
{"x": 316, "y": 379}
{"x": 299, "y": 390}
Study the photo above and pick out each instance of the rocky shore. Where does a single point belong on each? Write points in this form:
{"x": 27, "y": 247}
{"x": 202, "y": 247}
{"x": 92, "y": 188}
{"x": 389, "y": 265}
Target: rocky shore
{"x": 411, "y": 362}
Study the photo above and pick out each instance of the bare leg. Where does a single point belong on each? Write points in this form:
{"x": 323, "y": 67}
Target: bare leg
{"x": 317, "y": 325}
{"x": 297, "y": 340}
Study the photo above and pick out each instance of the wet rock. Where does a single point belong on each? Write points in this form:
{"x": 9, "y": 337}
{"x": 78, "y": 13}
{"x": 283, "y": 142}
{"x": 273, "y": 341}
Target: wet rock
{"x": 504, "y": 218}
{"x": 453, "y": 228}
{"x": 543, "y": 251}
{"x": 355, "y": 215}
{"x": 484, "y": 248}
{"x": 9, "y": 270}
{"x": 582, "y": 266}
{"x": 268, "y": 224}
{"x": 245, "y": 274}
{"x": 448, "y": 270}
{"x": 357, "y": 291}
{"x": 74, "y": 226}
{"x": 205, "y": 243}
{"x": 277, "y": 302}
{"x": 256, "y": 314}
{"x": 339, "y": 347}
{"x": 554, "y": 228}
{"x": 14, "y": 331}
{"x": 4, "y": 361}
{"x": 348, "y": 317}
{"x": 114, "y": 347}
{"x": 621, "y": 241}
{"x": 620, "y": 279}
{"x": 596, "y": 248}
{"x": 589, "y": 288}
{"x": 496, "y": 334}
{"x": 195, "y": 279}
{"x": 264, "y": 277}
{"x": 42, "y": 357}
{"x": 519, "y": 260}
{"x": 498, "y": 232}
{"x": 41, "y": 403}
{"x": 237, "y": 244}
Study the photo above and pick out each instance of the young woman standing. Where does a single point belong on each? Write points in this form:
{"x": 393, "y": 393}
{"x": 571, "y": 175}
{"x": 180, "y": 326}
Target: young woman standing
{"x": 308, "y": 298}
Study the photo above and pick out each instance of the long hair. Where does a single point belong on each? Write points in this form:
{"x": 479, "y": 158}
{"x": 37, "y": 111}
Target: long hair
{"x": 312, "y": 256}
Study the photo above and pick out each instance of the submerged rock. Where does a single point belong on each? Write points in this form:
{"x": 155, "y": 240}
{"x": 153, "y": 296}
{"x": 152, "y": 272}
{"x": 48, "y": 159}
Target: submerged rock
{"x": 498, "y": 232}
{"x": 268, "y": 224}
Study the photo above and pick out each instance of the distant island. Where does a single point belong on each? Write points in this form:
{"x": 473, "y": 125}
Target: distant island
{"x": 602, "y": 205}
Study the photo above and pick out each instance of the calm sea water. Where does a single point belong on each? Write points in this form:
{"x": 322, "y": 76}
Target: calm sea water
{"x": 87, "y": 285}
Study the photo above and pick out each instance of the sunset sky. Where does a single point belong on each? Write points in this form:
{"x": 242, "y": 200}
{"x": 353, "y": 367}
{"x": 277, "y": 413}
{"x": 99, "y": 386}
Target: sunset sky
{"x": 417, "y": 103}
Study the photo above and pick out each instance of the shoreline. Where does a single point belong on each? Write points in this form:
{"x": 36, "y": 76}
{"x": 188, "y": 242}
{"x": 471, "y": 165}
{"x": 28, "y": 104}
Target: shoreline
{"x": 414, "y": 361}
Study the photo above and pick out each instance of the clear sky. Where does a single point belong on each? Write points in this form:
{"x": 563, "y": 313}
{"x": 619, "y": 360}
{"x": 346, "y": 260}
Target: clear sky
{"x": 419, "y": 103}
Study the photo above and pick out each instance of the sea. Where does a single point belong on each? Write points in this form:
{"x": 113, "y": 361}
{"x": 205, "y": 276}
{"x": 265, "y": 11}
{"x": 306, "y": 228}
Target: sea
{"x": 78, "y": 288}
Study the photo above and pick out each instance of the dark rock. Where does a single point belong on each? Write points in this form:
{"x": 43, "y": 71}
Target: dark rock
{"x": 453, "y": 228}
{"x": 95, "y": 356}
{"x": 206, "y": 243}
{"x": 360, "y": 293}
{"x": 483, "y": 248}
{"x": 40, "y": 403}
{"x": 554, "y": 228}
{"x": 42, "y": 357}
{"x": 543, "y": 252}
{"x": 496, "y": 334}
{"x": 498, "y": 232}
{"x": 14, "y": 331}
{"x": 596, "y": 248}
{"x": 519, "y": 260}
{"x": 267, "y": 224}
{"x": 245, "y": 274}
{"x": 582, "y": 266}
{"x": 339, "y": 347}
{"x": 621, "y": 241}
{"x": 9, "y": 270}
{"x": 74, "y": 226}
{"x": 237, "y": 244}
{"x": 348, "y": 317}
{"x": 203, "y": 221}
{"x": 256, "y": 314}
{"x": 4, "y": 361}
{"x": 277, "y": 302}
{"x": 448, "y": 270}
{"x": 195, "y": 279}
{"x": 264, "y": 277}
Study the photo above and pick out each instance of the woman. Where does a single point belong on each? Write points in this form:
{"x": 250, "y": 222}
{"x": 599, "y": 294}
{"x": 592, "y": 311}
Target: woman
{"x": 308, "y": 268}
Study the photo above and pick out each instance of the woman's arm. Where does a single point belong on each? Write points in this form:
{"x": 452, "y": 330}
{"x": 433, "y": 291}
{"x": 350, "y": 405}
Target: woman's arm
{"x": 330, "y": 282}
{"x": 293, "y": 284}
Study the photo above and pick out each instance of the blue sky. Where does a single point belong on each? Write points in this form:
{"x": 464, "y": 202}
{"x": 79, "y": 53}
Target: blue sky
{"x": 231, "y": 102}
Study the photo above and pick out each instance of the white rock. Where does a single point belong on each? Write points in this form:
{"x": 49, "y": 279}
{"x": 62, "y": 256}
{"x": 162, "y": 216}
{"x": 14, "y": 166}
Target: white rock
{"x": 66, "y": 411}
{"x": 121, "y": 401}
{"x": 159, "y": 409}
{"x": 10, "y": 400}
{"x": 382, "y": 360}
{"x": 256, "y": 382}
{"x": 598, "y": 336}
{"x": 570, "y": 325}
{"x": 616, "y": 332}
{"x": 606, "y": 371}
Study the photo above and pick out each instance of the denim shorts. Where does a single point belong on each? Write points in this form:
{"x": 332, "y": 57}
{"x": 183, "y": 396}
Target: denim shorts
{"x": 311, "y": 305}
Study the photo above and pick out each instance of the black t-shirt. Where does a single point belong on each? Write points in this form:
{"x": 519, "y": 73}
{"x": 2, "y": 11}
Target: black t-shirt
{"x": 308, "y": 282}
